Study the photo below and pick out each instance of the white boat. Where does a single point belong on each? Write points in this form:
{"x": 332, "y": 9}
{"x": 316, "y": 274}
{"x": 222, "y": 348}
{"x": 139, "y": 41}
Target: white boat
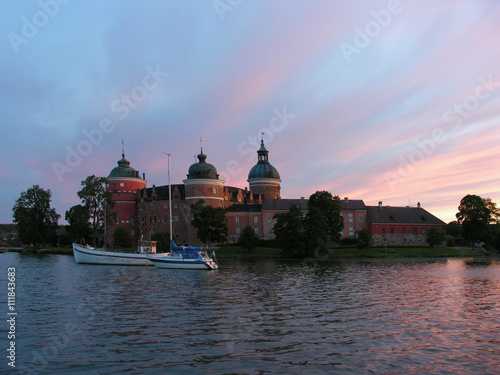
{"x": 191, "y": 258}
{"x": 146, "y": 250}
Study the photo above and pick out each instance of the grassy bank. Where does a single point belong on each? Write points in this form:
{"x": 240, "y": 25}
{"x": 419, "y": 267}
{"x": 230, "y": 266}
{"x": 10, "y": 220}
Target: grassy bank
{"x": 338, "y": 253}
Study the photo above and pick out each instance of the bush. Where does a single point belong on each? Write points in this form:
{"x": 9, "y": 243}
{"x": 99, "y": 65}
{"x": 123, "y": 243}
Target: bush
{"x": 121, "y": 238}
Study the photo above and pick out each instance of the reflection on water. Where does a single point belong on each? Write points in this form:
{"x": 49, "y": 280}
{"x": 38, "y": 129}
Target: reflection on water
{"x": 261, "y": 316}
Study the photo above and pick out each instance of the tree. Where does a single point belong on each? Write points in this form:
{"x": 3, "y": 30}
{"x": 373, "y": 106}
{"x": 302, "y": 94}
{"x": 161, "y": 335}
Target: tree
{"x": 289, "y": 231}
{"x": 474, "y": 216}
{"x": 162, "y": 241}
{"x": 36, "y": 220}
{"x": 324, "y": 221}
{"x": 365, "y": 239}
{"x": 435, "y": 237}
{"x": 78, "y": 220}
{"x": 210, "y": 222}
{"x": 121, "y": 237}
{"x": 97, "y": 201}
{"x": 248, "y": 239}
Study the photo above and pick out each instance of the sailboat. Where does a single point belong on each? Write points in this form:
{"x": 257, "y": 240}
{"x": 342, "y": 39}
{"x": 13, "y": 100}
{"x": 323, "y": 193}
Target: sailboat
{"x": 146, "y": 251}
{"x": 183, "y": 257}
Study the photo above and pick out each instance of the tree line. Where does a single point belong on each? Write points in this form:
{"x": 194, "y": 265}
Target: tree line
{"x": 297, "y": 234}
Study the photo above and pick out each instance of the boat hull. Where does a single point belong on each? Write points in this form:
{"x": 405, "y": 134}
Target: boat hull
{"x": 98, "y": 256}
{"x": 187, "y": 264}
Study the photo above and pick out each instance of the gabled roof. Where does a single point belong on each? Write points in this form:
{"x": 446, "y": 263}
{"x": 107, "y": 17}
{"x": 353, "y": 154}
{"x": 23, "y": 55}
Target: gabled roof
{"x": 401, "y": 215}
{"x": 162, "y": 192}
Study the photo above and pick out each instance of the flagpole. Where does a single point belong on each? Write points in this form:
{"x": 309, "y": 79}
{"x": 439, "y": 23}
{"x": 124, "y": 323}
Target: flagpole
{"x": 169, "y": 199}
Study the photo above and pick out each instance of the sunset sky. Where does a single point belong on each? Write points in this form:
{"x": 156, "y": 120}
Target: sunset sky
{"x": 393, "y": 101}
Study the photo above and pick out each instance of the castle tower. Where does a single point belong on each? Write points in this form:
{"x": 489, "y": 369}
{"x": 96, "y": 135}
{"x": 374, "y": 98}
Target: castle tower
{"x": 123, "y": 183}
{"x": 203, "y": 183}
{"x": 263, "y": 178}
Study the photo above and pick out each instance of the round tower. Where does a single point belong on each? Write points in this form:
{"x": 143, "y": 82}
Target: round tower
{"x": 263, "y": 178}
{"x": 123, "y": 183}
{"x": 203, "y": 183}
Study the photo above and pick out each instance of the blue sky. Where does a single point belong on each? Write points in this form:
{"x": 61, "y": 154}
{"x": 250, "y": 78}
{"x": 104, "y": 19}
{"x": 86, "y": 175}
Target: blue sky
{"x": 395, "y": 101}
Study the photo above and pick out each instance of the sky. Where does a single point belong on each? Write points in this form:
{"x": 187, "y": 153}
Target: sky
{"x": 392, "y": 101}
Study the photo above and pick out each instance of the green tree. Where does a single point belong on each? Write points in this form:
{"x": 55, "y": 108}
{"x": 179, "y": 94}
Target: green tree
{"x": 323, "y": 221}
{"x": 365, "y": 239}
{"x": 36, "y": 220}
{"x": 97, "y": 201}
{"x": 435, "y": 237}
{"x": 210, "y": 223}
{"x": 78, "y": 220}
{"x": 121, "y": 237}
{"x": 162, "y": 241}
{"x": 248, "y": 239}
{"x": 289, "y": 231}
{"x": 474, "y": 216}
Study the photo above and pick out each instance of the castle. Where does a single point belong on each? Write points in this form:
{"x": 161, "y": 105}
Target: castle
{"x": 144, "y": 210}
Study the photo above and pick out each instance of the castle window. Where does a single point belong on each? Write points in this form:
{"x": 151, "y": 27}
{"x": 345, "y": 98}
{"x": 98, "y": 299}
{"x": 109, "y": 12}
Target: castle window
{"x": 132, "y": 232}
{"x": 383, "y": 230}
{"x": 194, "y": 189}
{"x": 237, "y": 218}
{"x": 255, "y": 219}
{"x": 214, "y": 190}
{"x": 424, "y": 231}
{"x": 165, "y": 218}
{"x": 392, "y": 230}
{"x": 237, "y": 230}
{"x": 176, "y": 218}
{"x": 350, "y": 218}
{"x": 403, "y": 230}
{"x": 351, "y": 231}
{"x": 414, "y": 230}
{"x": 361, "y": 218}
{"x": 269, "y": 218}
{"x": 165, "y": 206}
{"x": 132, "y": 221}
{"x": 117, "y": 220}
{"x": 257, "y": 231}
{"x": 270, "y": 231}
{"x": 175, "y": 205}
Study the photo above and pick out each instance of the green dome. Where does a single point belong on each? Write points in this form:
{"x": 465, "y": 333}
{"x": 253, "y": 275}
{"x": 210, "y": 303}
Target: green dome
{"x": 202, "y": 169}
{"x": 263, "y": 169}
{"x": 123, "y": 169}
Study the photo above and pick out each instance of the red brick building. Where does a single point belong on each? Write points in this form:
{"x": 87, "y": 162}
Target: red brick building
{"x": 145, "y": 210}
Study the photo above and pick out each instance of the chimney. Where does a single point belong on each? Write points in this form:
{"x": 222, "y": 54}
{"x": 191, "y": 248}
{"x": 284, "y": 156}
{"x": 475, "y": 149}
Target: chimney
{"x": 418, "y": 205}
{"x": 346, "y": 198}
{"x": 380, "y": 204}
{"x": 143, "y": 175}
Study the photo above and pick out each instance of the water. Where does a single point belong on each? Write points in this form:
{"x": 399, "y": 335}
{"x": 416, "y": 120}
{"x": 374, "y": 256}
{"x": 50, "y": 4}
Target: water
{"x": 255, "y": 317}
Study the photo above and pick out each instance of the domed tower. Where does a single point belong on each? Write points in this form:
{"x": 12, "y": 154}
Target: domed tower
{"x": 123, "y": 183}
{"x": 203, "y": 183}
{"x": 263, "y": 178}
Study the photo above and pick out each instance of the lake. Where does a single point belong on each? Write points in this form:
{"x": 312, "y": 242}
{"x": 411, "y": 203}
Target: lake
{"x": 265, "y": 316}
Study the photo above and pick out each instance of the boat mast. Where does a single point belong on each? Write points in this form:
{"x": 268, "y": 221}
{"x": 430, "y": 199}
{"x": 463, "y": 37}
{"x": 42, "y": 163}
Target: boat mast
{"x": 169, "y": 199}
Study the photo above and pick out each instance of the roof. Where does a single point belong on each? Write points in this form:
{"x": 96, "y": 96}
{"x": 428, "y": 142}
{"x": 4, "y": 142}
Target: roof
{"x": 162, "y": 192}
{"x": 263, "y": 169}
{"x": 402, "y": 215}
{"x": 352, "y": 204}
{"x": 283, "y": 204}
{"x": 202, "y": 169}
{"x": 123, "y": 170}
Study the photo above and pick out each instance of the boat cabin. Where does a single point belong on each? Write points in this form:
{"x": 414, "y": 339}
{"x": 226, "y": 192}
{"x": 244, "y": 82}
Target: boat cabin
{"x": 146, "y": 247}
